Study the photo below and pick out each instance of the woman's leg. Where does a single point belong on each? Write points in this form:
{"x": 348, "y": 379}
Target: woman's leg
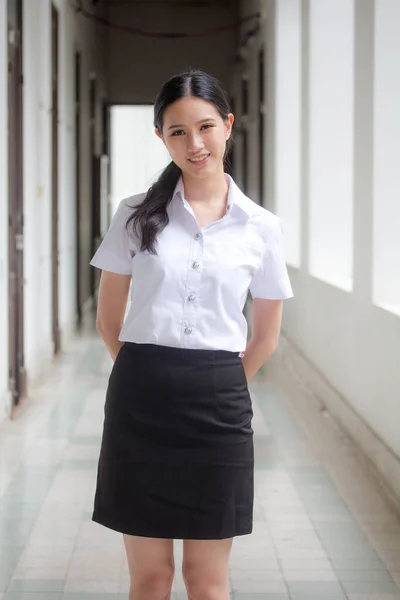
{"x": 151, "y": 567}
{"x": 205, "y": 568}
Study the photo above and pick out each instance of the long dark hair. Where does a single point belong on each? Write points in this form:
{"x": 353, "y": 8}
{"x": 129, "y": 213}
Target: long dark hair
{"x": 150, "y": 217}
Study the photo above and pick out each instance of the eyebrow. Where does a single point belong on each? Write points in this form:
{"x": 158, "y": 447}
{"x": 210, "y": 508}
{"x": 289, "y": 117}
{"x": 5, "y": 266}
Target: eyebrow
{"x": 198, "y": 123}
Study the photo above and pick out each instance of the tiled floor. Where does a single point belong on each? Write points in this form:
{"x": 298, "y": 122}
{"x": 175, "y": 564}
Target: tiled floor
{"x": 323, "y": 529}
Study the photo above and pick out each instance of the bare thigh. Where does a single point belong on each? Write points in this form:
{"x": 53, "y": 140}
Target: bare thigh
{"x": 205, "y": 568}
{"x": 151, "y": 567}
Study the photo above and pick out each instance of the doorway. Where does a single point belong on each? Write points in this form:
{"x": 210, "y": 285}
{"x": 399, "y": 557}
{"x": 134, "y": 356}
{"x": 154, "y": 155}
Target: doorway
{"x": 137, "y": 155}
{"x": 261, "y": 127}
{"x": 94, "y": 168}
{"x": 54, "y": 185}
{"x": 230, "y": 157}
{"x": 245, "y": 144}
{"x": 78, "y": 300}
{"x": 17, "y": 373}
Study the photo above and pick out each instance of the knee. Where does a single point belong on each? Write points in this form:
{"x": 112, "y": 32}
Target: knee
{"x": 205, "y": 586}
{"x": 154, "y": 583}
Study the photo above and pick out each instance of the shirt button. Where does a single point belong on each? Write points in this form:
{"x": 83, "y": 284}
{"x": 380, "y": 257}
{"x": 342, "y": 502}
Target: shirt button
{"x": 197, "y": 236}
{"x": 191, "y": 298}
{"x": 195, "y": 265}
{"x": 188, "y": 330}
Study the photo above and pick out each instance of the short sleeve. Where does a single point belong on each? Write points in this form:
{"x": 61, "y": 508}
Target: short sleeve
{"x": 114, "y": 252}
{"x": 271, "y": 280}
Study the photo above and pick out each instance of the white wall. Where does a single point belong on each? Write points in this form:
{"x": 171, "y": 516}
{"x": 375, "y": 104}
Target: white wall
{"x": 288, "y": 123}
{"x": 331, "y": 168}
{"x": 386, "y": 279}
{"x": 37, "y": 184}
{"x": 137, "y": 154}
{"x": 333, "y": 322}
{"x": 74, "y": 32}
{"x": 38, "y": 179}
{"x": 331, "y": 108}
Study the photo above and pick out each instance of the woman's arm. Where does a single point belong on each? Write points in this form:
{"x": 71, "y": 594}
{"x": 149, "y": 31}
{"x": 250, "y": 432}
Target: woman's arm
{"x": 266, "y": 326}
{"x": 111, "y": 306}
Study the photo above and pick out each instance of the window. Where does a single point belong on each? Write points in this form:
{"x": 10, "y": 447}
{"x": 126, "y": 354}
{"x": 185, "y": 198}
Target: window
{"x": 386, "y": 253}
{"x": 288, "y": 124}
{"x": 331, "y": 143}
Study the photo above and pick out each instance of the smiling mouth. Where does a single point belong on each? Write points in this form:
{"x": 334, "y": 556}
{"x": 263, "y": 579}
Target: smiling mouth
{"x": 199, "y": 159}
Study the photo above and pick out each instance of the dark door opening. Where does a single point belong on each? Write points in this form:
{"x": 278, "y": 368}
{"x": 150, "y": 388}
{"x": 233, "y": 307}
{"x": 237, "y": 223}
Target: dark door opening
{"x": 54, "y": 173}
{"x": 105, "y": 172}
{"x": 17, "y": 373}
{"x": 245, "y": 145}
{"x": 230, "y": 157}
{"x": 78, "y": 186}
{"x": 261, "y": 127}
{"x": 95, "y": 197}
{"x": 106, "y": 129}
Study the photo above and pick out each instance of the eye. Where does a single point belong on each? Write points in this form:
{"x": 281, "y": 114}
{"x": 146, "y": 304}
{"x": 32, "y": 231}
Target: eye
{"x": 207, "y": 125}
{"x": 178, "y": 132}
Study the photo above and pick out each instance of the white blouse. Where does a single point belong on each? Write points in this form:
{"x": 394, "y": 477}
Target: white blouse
{"x": 192, "y": 293}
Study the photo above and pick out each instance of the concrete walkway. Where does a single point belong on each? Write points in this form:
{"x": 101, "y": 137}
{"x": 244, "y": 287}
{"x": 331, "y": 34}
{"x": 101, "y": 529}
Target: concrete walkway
{"x": 323, "y": 528}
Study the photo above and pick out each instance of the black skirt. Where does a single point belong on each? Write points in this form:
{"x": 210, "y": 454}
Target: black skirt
{"x": 177, "y": 455}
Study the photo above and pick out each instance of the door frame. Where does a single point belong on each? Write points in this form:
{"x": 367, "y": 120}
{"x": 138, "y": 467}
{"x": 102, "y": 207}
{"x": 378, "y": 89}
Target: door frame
{"x": 94, "y": 170}
{"x": 94, "y": 213}
{"x": 78, "y": 129}
{"x": 17, "y": 372}
{"x": 261, "y": 126}
{"x": 54, "y": 179}
{"x": 244, "y": 92}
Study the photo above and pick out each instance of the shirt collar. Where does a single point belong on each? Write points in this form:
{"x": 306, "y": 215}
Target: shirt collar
{"x": 237, "y": 201}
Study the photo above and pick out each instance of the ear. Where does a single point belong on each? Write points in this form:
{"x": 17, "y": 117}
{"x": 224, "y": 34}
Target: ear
{"x": 228, "y": 126}
{"x": 159, "y": 134}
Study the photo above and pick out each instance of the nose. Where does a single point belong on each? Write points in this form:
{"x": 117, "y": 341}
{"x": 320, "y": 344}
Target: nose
{"x": 194, "y": 142}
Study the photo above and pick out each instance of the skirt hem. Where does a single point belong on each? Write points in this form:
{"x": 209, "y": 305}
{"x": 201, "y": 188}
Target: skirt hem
{"x": 177, "y": 536}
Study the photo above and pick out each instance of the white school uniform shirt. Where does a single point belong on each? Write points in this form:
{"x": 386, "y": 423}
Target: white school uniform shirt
{"x": 192, "y": 293}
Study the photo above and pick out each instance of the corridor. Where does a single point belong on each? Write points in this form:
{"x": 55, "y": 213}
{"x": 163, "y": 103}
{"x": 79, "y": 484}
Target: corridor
{"x": 323, "y": 529}
{"x": 314, "y": 86}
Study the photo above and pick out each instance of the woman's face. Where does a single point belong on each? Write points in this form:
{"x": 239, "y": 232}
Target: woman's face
{"x": 195, "y": 136}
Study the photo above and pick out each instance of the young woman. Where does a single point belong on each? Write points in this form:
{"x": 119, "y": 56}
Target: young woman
{"x": 176, "y": 459}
